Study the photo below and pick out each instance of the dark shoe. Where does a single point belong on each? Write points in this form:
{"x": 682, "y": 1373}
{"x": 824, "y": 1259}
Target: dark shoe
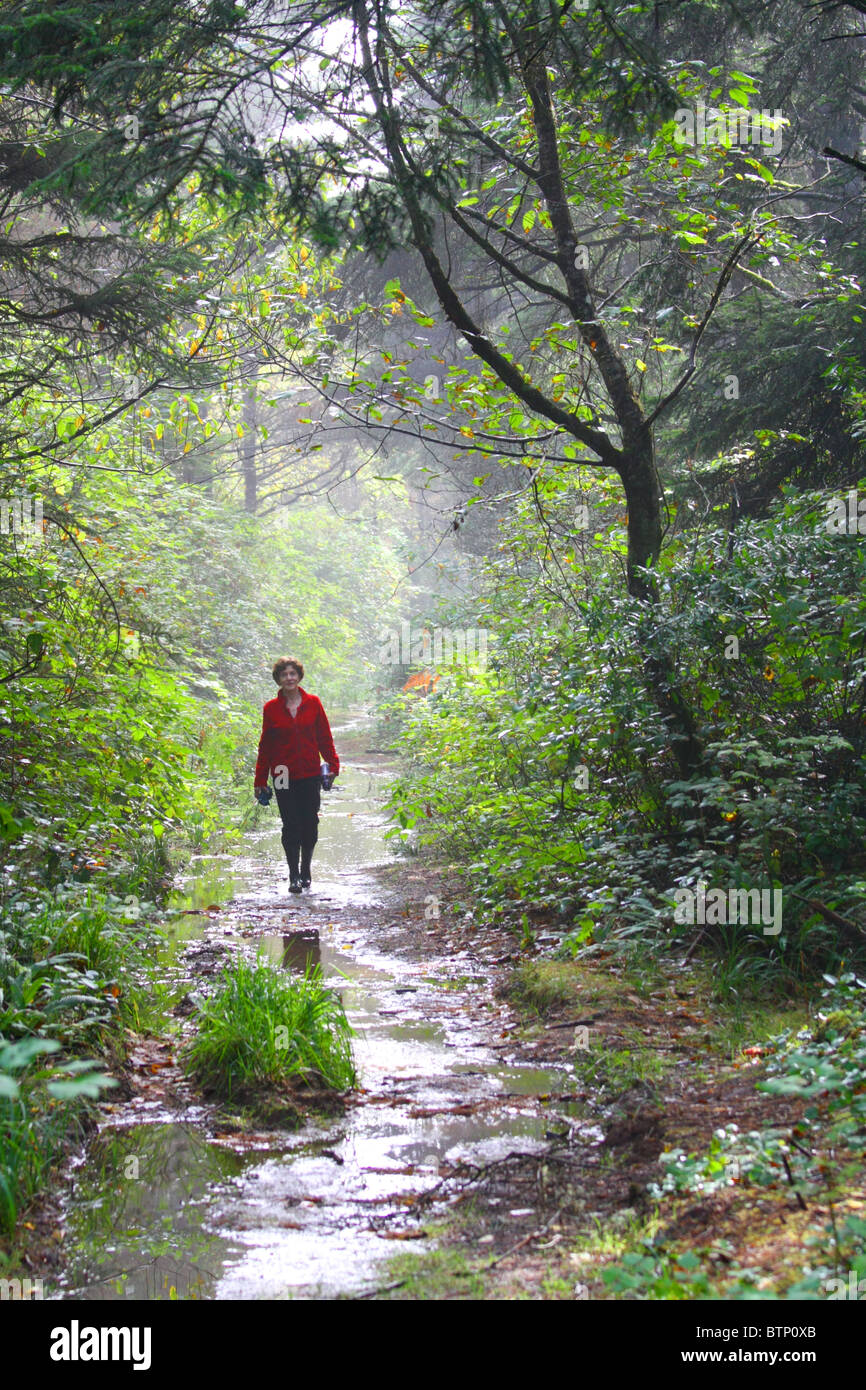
{"x": 306, "y": 881}
{"x": 294, "y": 884}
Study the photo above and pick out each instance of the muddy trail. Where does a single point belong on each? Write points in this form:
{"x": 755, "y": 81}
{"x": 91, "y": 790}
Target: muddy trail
{"x": 171, "y": 1199}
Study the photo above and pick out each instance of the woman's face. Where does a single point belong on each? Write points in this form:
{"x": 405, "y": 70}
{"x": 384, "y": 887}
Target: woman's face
{"x": 289, "y": 679}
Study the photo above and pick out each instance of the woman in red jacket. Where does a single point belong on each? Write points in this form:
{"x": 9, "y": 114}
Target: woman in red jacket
{"x": 295, "y": 730}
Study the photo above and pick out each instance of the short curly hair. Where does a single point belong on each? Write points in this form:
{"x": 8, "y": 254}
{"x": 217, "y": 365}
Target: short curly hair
{"x": 280, "y": 666}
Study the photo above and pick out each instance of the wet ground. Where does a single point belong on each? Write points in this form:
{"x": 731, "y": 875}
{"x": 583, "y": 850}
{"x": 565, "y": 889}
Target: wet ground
{"x": 170, "y": 1202}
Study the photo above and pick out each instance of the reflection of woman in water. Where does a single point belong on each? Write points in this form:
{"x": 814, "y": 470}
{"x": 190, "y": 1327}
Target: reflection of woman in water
{"x": 295, "y": 730}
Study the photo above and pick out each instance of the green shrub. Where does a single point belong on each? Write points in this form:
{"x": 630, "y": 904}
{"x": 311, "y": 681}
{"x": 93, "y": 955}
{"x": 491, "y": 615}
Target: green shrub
{"x": 550, "y": 776}
{"x": 39, "y": 1105}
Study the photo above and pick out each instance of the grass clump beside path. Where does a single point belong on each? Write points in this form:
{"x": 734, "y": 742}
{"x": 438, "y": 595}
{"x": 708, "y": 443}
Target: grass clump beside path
{"x": 262, "y": 1028}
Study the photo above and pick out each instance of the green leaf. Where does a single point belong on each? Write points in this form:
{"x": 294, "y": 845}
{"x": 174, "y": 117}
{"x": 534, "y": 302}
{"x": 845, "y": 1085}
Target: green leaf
{"x": 14, "y": 1056}
{"x": 92, "y": 1085}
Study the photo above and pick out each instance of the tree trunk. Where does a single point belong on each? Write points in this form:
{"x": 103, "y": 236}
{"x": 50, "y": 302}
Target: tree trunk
{"x": 643, "y": 499}
{"x": 643, "y": 495}
{"x": 248, "y": 453}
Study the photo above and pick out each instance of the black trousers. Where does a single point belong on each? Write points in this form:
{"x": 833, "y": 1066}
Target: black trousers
{"x": 299, "y": 804}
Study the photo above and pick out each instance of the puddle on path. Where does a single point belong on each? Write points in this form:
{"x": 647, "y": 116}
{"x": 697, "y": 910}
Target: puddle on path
{"x": 161, "y": 1208}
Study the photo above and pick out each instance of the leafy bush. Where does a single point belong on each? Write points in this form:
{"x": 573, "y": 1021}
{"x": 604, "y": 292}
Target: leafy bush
{"x": 828, "y": 1068}
{"x": 550, "y": 776}
{"x": 69, "y": 968}
{"x": 38, "y": 1105}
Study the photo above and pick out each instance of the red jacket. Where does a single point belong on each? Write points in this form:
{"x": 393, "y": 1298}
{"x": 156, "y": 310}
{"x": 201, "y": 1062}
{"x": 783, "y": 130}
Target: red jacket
{"x": 295, "y": 743}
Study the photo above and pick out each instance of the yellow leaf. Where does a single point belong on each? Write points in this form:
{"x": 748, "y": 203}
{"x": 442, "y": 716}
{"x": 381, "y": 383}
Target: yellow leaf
{"x": 641, "y": 366}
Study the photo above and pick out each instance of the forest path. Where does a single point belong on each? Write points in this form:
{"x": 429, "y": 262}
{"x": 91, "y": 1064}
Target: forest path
{"x": 171, "y": 1201}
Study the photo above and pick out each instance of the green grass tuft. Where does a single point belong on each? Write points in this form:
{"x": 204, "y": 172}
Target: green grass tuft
{"x": 264, "y": 1028}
